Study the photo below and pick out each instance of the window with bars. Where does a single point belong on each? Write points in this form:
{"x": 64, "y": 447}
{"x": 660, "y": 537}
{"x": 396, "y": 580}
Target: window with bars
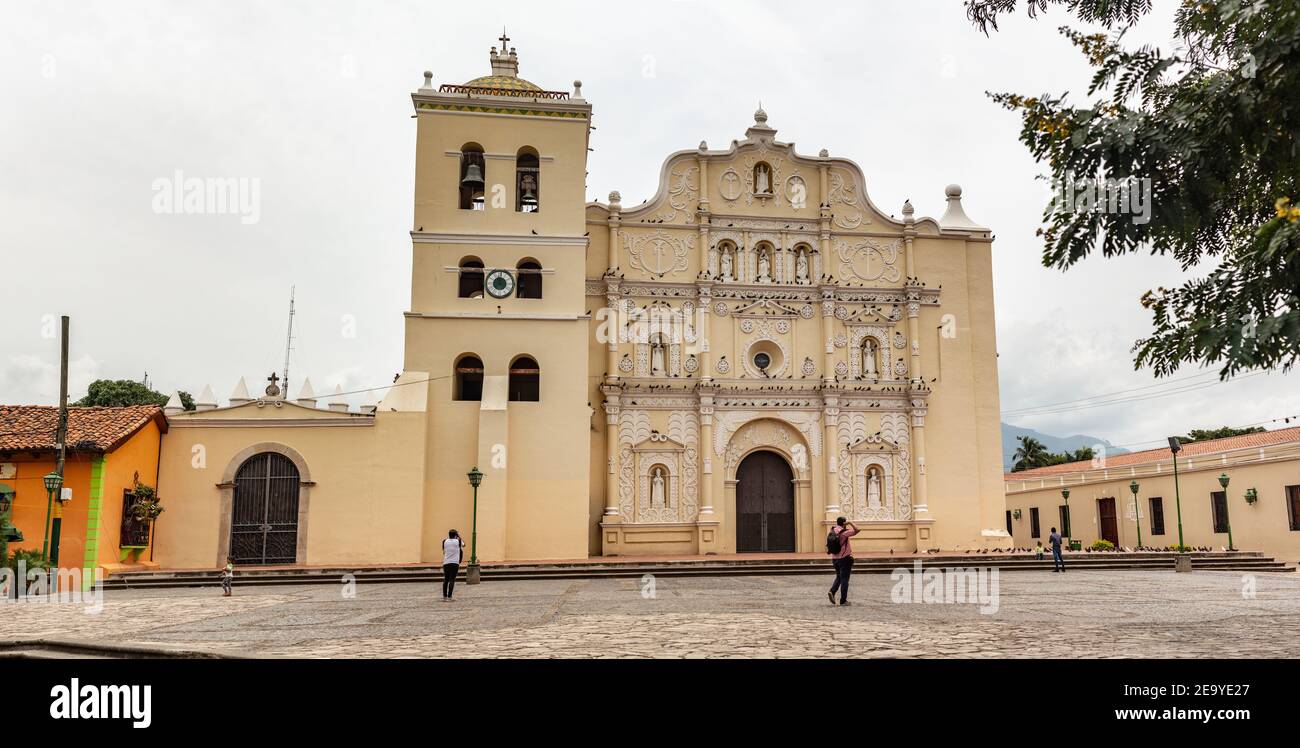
{"x": 134, "y": 533}
{"x": 1157, "y": 515}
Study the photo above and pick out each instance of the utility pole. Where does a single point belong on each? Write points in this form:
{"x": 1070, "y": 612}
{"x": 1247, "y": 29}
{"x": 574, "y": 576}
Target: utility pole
{"x": 288, "y": 345}
{"x": 61, "y": 439}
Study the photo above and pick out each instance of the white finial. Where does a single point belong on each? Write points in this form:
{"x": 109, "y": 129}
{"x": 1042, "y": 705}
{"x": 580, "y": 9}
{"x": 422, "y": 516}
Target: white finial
{"x": 908, "y": 212}
{"x": 240, "y": 395}
{"x": 206, "y": 400}
{"x": 955, "y": 217}
{"x": 174, "y": 405}
{"x": 760, "y": 116}
{"x": 577, "y": 89}
{"x": 306, "y": 396}
{"x": 824, "y": 153}
{"x": 338, "y": 402}
{"x": 428, "y": 81}
{"x": 615, "y": 201}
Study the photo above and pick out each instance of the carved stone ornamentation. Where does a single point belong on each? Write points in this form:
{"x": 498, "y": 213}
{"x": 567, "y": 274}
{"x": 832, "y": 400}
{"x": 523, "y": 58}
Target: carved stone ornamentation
{"x": 660, "y": 253}
{"x": 869, "y": 261}
{"x": 900, "y": 341}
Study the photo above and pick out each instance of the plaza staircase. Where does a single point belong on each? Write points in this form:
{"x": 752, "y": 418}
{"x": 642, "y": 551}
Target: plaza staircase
{"x": 731, "y": 566}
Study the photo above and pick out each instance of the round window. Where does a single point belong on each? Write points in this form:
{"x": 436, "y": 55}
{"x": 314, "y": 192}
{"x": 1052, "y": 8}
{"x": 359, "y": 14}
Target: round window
{"x": 762, "y": 360}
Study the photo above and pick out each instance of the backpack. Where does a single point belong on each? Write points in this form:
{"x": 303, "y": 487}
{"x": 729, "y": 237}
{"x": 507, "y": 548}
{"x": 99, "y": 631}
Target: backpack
{"x": 833, "y": 543}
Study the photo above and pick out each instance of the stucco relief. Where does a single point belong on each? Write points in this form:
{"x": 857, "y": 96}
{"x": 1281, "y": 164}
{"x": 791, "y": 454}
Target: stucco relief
{"x": 642, "y": 451}
{"x": 889, "y": 452}
{"x": 659, "y": 253}
{"x": 844, "y": 192}
{"x": 683, "y": 194}
{"x": 869, "y": 261}
{"x": 769, "y": 433}
{"x": 857, "y": 335}
{"x": 808, "y": 423}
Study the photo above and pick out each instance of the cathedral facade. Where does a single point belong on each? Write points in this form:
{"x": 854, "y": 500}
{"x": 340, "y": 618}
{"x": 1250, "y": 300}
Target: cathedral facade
{"x": 725, "y": 368}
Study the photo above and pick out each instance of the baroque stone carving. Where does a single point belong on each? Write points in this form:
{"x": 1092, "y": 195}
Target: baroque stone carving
{"x": 869, "y": 260}
{"x": 659, "y": 253}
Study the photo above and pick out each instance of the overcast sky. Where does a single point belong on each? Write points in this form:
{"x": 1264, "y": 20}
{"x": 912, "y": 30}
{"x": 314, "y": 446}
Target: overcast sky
{"x": 311, "y": 100}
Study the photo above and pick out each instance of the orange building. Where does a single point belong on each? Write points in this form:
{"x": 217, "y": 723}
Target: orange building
{"x": 108, "y": 450}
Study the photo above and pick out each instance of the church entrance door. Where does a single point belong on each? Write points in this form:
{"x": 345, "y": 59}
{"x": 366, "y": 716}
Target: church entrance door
{"x": 264, "y": 521}
{"x": 764, "y": 504}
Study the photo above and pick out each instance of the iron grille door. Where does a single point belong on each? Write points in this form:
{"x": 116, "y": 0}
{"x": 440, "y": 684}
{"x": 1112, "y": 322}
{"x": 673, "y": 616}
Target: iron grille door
{"x": 264, "y": 521}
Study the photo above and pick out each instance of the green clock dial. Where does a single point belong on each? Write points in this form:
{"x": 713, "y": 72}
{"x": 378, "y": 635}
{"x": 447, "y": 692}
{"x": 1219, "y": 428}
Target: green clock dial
{"x": 499, "y": 284}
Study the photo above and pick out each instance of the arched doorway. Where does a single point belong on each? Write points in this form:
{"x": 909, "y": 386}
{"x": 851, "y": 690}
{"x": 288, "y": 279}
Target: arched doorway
{"x": 264, "y": 513}
{"x": 764, "y": 504}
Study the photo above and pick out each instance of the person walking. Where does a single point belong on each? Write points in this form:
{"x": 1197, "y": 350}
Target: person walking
{"x": 453, "y": 549}
{"x": 1058, "y": 563}
{"x": 837, "y": 544}
{"x": 227, "y": 576}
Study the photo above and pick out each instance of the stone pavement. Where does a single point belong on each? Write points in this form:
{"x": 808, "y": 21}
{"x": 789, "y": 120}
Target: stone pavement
{"x": 1040, "y": 614}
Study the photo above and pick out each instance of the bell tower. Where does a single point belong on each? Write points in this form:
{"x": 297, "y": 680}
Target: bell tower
{"x": 497, "y": 320}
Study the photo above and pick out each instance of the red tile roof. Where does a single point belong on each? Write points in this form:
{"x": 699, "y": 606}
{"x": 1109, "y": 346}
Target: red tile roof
{"x": 1211, "y": 446}
{"x": 33, "y": 427}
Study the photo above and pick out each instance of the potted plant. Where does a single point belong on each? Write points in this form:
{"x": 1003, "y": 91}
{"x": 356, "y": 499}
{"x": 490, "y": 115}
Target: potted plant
{"x": 146, "y": 507}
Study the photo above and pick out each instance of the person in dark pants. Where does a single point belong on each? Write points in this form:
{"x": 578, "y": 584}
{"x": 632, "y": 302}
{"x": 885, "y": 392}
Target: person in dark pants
{"x": 1058, "y": 563}
{"x": 453, "y": 548}
{"x": 841, "y": 558}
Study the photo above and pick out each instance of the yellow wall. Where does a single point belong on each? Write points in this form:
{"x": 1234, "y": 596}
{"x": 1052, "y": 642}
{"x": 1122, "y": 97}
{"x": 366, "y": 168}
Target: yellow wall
{"x": 1263, "y": 526}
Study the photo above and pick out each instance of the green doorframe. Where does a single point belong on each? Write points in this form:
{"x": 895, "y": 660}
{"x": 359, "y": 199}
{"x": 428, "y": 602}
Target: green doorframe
{"x": 90, "y": 562}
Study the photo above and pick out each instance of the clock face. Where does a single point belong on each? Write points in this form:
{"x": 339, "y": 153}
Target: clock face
{"x": 499, "y": 284}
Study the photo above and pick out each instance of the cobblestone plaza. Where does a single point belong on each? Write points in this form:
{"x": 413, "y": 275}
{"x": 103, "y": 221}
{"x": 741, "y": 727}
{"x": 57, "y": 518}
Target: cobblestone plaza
{"x": 1125, "y": 614}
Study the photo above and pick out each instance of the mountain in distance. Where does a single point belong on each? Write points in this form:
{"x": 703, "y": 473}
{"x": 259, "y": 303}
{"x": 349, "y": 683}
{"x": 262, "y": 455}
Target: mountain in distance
{"x": 1010, "y": 442}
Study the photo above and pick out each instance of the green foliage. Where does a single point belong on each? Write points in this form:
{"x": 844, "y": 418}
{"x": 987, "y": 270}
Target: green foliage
{"x": 1215, "y": 127}
{"x": 1103, "y": 545}
{"x": 1200, "y": 435}
{"x": 1033, "y": 454}
{"x": 34, "y": 560}
{"x": 117, "y": 393}
{"x": 146, "y": 507}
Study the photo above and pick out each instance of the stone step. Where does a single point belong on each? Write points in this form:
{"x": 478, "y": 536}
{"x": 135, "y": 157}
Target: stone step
{"x": 1252, "y": 563}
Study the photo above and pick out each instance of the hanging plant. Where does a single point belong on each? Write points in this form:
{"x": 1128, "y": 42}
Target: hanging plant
{"x": 146, "y": 507}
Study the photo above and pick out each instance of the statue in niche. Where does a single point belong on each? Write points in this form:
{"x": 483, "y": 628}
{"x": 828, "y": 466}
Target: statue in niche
{"x": 762, "y": 180}
{"x": 764, "y": 267}
{"x": 801, "y": 268}
{"x": 873, "y": 488}
{"x": 657, "y": 493}
{"x": 726, "y": 264}
{"x": 869, "y": 367}
{"x": 657, "y": 357}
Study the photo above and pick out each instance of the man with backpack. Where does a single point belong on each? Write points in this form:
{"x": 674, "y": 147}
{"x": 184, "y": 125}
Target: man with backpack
{"x": 837, "y": 544}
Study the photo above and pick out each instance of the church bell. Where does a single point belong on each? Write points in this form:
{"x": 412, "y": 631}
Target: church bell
{"x": 473, "y": 176}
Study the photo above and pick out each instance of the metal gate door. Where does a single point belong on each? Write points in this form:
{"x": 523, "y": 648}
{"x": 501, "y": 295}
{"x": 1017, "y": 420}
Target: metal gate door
{"x": 264, "y": 518}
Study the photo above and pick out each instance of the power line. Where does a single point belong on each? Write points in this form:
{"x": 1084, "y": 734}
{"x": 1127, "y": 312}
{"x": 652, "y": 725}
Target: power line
{"x": 1109, "y": 394}
{"x": 1182, "y": 389}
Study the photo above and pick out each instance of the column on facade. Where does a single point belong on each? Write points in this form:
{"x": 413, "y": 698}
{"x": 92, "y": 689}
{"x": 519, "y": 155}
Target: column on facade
{"x": 831, "y": 446}
{"x": 742, "y": 258}
{"x": 920, "y": 501}
{"x": 611, "y": 454}
{"x": 706, "y": 454}
{"x": 615, "y": 218}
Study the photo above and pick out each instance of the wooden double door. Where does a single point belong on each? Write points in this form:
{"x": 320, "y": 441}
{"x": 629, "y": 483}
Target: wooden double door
{"x": 764, "y": 505}
{"x": 1108, "y": 520}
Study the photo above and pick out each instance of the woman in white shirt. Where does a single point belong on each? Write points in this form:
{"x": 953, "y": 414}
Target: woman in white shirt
{"x": 453, "y": 548}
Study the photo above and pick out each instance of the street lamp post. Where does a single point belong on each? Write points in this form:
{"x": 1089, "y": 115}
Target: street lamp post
{"x": 1065, "y": 494}
{"x": 1175, "y": 446}
{"x": 1137, "y": 511}
{"x": 472, "y": 571}
{"x": 1227, "y": 516}
{"x": 53, "y": 483}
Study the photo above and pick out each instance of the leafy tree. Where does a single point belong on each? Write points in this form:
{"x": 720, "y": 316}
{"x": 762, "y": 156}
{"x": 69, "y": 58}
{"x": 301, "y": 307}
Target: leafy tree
{"x": 1215, "y": 127}
{"x": 116, "y": 393}
{"x": 1200, "y": 435}
{"x": 1079, "y": 455}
